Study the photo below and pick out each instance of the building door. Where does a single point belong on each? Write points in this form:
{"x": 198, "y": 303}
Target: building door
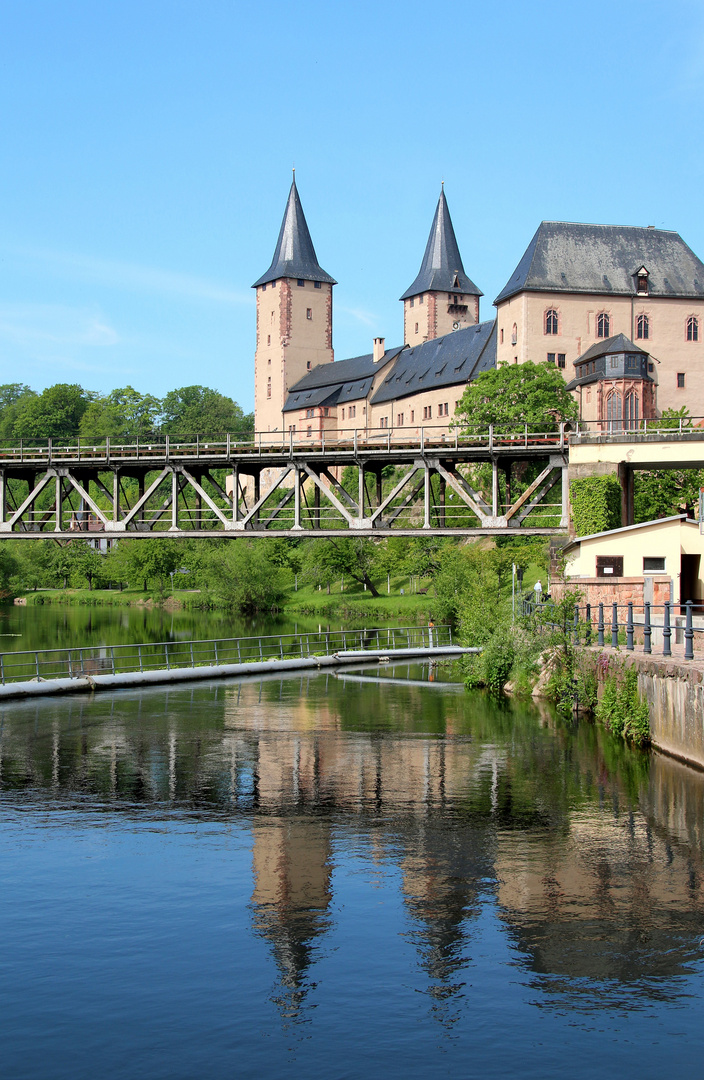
{"x": 689, "y": 578}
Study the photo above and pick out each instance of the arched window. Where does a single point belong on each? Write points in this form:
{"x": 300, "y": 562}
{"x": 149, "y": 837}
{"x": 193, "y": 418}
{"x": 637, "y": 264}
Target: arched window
{"x": 551, "y": 321}
{"x": 514, "y": 334}
{"x": 614, "y": 413}
{"x": 643, "y": 327}
{"x": 692, "y": 328}
{"x": 603, "y": 325}
{"x": 631, "y": 410}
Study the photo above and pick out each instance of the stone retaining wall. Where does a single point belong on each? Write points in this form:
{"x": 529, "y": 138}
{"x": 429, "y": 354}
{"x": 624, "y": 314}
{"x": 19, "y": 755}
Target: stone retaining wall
{"x": 674, "y": 691}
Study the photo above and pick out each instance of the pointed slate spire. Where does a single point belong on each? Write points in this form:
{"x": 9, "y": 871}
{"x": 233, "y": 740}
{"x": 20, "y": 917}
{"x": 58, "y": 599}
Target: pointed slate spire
{"x": 295, "y": 255}
{"x": 442, "y": 269}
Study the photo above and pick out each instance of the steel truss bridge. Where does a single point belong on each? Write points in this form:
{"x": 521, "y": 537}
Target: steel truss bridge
{"x": 431, "y": 483}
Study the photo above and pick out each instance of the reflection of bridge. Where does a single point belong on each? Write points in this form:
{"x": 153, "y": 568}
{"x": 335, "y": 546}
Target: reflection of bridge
{"x": 371, "y": 484}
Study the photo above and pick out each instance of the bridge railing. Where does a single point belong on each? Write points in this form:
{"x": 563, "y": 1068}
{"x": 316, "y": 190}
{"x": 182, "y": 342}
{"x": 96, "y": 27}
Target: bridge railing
{"x": 166, "y": 448}
{"x": 654, "y": 426}
{"x": 631, "y": 625}
{"x": 43, "y": 664}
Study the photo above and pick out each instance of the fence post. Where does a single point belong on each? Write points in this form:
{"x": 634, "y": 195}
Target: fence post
{"x": 588, "y": 633}
{"x": 600, "y": 626}
{"x": 629, "y": 627}
{"x": 614, "y": 625}
{"x": 112, "y": 657}
{"x": 139, "y": 654}
{"x": 576, "y": 624}
{"x": 647, "y": 630}
{"x": 666, "y": 631}
{"x": 36, "y": 663}
{"x": 688, "y": 634}
{"x": 166, "y": 656}
{"x": 193, "y": 663}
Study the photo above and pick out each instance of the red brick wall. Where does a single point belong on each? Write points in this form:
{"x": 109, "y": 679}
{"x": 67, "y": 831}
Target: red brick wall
{"x": 609, "y": 590}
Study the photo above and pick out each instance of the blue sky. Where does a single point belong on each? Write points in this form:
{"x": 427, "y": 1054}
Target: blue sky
{"x": 146, "y": 149}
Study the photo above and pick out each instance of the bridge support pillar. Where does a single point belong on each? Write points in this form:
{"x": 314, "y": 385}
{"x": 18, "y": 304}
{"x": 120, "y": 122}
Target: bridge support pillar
{"x": 625, "y": 476}
{"x": 426, "y": 498}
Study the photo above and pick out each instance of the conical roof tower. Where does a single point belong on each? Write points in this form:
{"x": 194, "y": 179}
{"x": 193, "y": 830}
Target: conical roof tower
{"x": 442, "y": 269}
{"x": 294, "y": 256}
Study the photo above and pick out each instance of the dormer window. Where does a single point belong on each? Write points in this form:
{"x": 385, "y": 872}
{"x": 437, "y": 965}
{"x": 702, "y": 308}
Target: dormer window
{"x": 642, "y": 281}
{"x": 456, "y": 283}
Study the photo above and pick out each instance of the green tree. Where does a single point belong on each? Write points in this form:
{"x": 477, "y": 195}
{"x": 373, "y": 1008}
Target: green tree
{"x": 12, "y": 396}
{"x": 353, "y": 556}
{"x": 124, "y": 415}
{"x": 511, "y": 396}
{"x": 56, "y": 413}
{"x": 198, "y": 410}
{"x": 145, "y": 562}
{"x": 659, "y": 493}
{"x": 240, "y": 574}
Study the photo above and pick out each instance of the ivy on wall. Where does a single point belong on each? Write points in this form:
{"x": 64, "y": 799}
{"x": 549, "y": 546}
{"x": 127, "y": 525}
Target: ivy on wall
{"x": 596, "y": 504}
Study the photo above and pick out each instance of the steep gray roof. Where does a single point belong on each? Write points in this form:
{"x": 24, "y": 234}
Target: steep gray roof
{"x": 294, "y": 256}
{"x": 598, "y": 352}
{"x": 344, "y": 380}
{"x": 445, "y": 361}
{"x": 617, "y": 344}
{"x": 573, "y": 258}
{"x": 442, "y": 268}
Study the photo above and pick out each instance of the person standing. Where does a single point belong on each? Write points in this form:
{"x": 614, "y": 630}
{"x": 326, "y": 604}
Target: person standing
{"x": 538, "y": 591}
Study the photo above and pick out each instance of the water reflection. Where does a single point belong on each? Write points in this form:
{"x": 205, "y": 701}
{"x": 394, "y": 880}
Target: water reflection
{"x": 589, "y": 855}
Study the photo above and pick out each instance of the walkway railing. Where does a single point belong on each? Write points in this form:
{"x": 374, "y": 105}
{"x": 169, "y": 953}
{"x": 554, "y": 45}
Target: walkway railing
{"x": 44, "y": 664}
{"x": 179, "y": 448}
{"x": 613, "y": 625}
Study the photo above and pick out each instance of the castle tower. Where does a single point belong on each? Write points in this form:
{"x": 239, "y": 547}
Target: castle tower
{"x": 442, "y": 298}
{"x": 294, "y": 317}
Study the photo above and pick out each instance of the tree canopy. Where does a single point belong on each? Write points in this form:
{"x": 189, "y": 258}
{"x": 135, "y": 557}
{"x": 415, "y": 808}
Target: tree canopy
{"x": 122, "y": 414}
{"x": 511, "y": 396}
{"x": 199, "y": 410}
{"x": 56, "y": 413}
{"x": 67, "y": 410}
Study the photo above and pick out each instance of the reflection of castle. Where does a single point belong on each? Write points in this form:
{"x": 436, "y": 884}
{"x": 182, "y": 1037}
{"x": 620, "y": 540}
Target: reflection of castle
{"x": 291, "y": 864}
{"x": 585, "y": 884}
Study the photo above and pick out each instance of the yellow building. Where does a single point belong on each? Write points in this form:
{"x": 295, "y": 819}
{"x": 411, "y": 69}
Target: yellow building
{"x": 655, "y": 561}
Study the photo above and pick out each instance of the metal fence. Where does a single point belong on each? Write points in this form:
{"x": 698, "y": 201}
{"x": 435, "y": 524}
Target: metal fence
{"x": 44, "y": 664}
{"x": 624, "y": 624}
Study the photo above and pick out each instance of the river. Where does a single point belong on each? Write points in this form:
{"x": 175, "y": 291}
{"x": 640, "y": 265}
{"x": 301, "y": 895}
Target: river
{"x": 376, "y": 874}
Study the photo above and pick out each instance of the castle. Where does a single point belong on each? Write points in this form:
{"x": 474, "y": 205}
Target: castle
{"x": 618, "y": 309}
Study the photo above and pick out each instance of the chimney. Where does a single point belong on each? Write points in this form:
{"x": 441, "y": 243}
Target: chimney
{"x": 379, "y": 348}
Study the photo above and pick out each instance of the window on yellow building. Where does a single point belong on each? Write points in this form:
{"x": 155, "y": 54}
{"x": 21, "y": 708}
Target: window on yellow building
{"x": 268, "y": 387}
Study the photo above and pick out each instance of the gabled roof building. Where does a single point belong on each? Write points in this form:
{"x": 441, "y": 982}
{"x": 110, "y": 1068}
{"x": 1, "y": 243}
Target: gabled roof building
{"x": 577, "y": 285}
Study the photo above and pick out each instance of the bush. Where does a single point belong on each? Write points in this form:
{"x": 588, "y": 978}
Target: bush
{"x": 622, "y": 710}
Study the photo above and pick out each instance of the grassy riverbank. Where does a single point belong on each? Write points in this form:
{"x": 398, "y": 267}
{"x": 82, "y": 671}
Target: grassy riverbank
{"x": 352, "y": 603}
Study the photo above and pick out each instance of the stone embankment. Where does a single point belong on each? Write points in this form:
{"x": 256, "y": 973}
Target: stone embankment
{"x": 674, "y": 691}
